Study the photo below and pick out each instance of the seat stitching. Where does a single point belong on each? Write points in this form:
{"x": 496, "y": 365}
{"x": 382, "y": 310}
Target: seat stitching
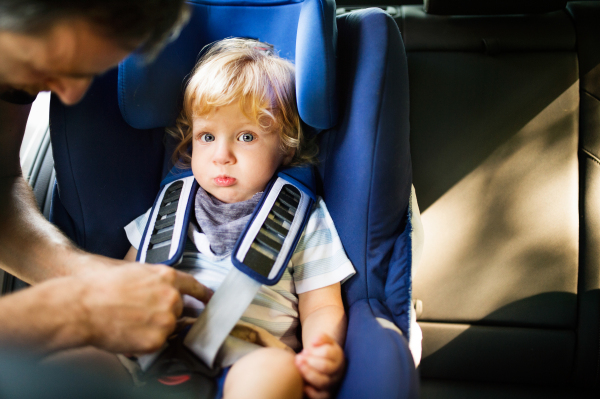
{"x": 591, "y": 95}
{"x": 378, "y": 134}
{"x": 592, "y": 156}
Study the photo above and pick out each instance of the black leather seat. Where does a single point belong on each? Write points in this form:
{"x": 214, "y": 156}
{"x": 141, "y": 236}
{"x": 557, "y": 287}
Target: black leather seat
{"x": 505, "y": 142}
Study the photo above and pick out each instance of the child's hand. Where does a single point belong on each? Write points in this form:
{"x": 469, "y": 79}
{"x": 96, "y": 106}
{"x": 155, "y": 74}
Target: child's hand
{"x": 321, "y": 364}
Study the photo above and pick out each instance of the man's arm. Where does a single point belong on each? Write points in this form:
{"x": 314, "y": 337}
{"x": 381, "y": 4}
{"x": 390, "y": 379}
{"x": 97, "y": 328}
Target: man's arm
{"x": 31, "y": 248}
{"x": 126, "y": 309}
{"x": 131, "y": 308}
{"x": 26, "y": 237}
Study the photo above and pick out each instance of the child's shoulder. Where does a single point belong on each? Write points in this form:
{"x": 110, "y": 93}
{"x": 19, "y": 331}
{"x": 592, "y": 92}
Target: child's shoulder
{"x": 320, "y": 219}
{"x": 319, "y": 206}
{"x": 320, "y": 211}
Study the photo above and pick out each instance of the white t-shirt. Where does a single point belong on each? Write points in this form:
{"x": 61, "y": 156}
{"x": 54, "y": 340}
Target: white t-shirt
{"x": 319, "y": 260}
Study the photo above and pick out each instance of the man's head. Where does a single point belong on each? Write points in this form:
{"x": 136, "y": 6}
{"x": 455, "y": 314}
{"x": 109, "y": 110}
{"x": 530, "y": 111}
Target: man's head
{"x": 60, "y": 45}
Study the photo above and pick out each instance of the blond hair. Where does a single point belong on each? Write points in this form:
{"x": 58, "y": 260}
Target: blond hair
{"x": 247, "y": 71}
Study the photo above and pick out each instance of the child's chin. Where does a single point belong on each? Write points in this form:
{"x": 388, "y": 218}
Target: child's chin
{"x": 228, "y": 197}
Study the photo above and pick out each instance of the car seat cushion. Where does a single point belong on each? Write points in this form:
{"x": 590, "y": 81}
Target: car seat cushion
{"x": 302, "y": 32}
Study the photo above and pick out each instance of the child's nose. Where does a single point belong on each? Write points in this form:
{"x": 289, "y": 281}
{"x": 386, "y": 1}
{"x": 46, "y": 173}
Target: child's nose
{"x": 223, "y": 154}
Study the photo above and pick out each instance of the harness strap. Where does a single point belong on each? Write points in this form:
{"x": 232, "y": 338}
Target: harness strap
{"x": 260, "y": 257}
{"x": 166, "y": 230}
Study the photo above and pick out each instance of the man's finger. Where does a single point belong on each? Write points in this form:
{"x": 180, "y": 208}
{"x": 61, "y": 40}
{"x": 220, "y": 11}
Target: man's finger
{"x": 178, "y": 306}
{"x": 188, "y": 285}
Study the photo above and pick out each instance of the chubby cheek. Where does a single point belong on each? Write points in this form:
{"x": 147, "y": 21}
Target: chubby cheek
{"x": 195, "y": 171}
{"x": 197, "y": 164}
{"x": 260, "y": 179}
{"x": 263, "y": 175}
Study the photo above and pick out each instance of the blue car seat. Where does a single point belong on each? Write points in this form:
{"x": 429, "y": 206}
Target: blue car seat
{"x": 351, "y": 88}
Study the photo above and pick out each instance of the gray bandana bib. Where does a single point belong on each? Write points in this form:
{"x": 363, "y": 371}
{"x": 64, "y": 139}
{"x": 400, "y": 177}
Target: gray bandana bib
{"x": 222, "y": 222}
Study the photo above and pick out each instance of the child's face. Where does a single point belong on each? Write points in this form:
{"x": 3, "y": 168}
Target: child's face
{"x": 232, "y": 157}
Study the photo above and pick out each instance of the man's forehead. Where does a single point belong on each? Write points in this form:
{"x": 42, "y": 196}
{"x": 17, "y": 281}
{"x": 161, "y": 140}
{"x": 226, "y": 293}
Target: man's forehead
{"x": 78, "y": 48}
{"x": 66, "y": 44}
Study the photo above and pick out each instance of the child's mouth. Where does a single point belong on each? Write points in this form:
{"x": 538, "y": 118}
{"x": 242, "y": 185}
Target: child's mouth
{"x": 224, "y": 181}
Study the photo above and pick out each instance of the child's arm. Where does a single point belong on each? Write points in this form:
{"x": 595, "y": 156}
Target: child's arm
{"x": 323, "y": 319}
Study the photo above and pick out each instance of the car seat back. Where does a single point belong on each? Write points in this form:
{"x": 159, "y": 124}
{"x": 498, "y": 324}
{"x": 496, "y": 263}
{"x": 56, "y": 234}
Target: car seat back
{"x": 495, "y": 129}
{"x": 586, "y": 16}
{"x": 303, "y": 32}
{"x": 110, "y": 157}
{"x": 119, "y": 126}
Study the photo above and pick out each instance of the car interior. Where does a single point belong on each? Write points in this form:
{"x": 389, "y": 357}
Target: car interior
{"x": 503, "y": 103}
{"x": 110, "y": 155}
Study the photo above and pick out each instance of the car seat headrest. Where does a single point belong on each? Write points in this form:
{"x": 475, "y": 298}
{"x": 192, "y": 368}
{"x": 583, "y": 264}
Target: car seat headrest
{"x": 303, "y": 32}
{"x": 492, "y": 7}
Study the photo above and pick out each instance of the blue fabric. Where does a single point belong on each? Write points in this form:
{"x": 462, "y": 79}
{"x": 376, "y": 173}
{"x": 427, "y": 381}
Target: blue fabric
{"x": 150, "y": 98}
{"x": 175, "y": 174}
{"x": 379, "y": 362}
{"x": 107, "y": 171}
{"x": 303, "y": 177}
{"x": 315, "y": 64}
{"x": 366, "y": 169}
{"x": 59, "y": 215}
{"x": 221, "y": 382}
{"x": 397, "y": 289}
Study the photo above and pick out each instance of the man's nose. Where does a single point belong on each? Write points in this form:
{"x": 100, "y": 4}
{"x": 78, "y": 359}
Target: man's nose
{"x": 69, "y": 90}
{"x": 223, "y": 153}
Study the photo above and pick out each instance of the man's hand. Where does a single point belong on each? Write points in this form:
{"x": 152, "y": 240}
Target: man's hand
{"x": 134, "y": 308}
{"x": 321, "y": 364}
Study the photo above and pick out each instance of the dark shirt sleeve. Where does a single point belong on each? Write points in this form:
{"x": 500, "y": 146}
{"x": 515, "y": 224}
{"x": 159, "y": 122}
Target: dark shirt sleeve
{"x": 17, "y": 96}
{"x": 13, "y": 117}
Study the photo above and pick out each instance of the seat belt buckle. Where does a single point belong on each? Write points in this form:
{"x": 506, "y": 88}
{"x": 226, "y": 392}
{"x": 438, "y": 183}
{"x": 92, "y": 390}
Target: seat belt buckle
{"x": 177, "y": 371}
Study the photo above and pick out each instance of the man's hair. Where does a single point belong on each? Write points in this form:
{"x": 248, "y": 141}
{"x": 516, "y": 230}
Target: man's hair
{"x": 245, "y": 71}
{"x": 143, "y": 24}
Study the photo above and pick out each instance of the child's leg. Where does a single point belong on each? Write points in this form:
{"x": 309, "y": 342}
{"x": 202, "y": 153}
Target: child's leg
{"x": 265, "y": 373}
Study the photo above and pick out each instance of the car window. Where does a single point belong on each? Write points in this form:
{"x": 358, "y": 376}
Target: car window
{"x": 37, "y": 128}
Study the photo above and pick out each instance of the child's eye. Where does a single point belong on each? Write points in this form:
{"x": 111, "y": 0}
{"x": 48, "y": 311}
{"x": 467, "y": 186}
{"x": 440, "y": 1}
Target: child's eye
{"x": 207, "y": 138}
{"x": 246, "y": 137}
